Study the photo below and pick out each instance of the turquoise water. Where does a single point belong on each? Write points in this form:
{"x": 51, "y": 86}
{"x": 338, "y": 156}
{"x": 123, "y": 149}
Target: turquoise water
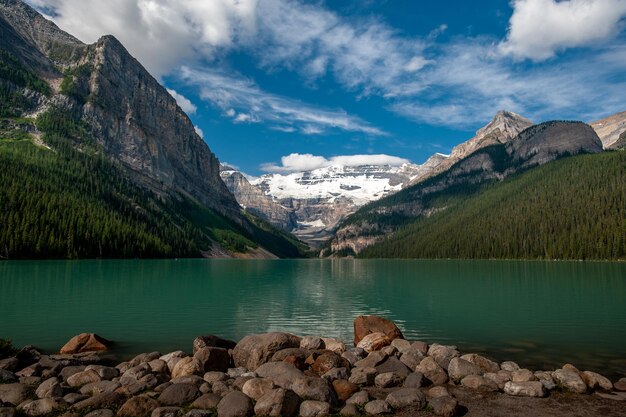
{"x": 542, "y": 314}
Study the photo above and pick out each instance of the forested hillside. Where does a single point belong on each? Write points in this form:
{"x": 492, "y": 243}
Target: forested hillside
{"x": 573, "y": 208}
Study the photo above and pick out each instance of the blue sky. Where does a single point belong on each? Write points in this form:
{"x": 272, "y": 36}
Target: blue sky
{"x": 263, "y": 79}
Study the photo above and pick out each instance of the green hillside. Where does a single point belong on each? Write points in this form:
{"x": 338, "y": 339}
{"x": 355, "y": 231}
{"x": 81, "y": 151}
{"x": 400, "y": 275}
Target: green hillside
{"x": 60, "y": 198}
{"x": 573, "y": 208}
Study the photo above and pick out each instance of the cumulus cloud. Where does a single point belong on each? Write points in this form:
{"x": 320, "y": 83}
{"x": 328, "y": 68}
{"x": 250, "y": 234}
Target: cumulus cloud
{"x": 296, "y": 162}
{"x": 244, "y": 102}
{"x": 183, "y": 102}
{"x": 540, "y": 28}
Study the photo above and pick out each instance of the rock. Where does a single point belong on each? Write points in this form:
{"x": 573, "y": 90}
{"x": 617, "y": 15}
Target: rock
{"x": 389, "y": 350}
{"x": 103, "y": 412}
{"x": 620, "y": 385}
{"x": 32, "y": 370}
{"x": 439, "y": 391}
{"x": 221, "y": 388}
{"x": 283, "y": 354}
{"x": 41, "y": 407}
{"x": 68, "y": 371}
{"x": 374, "y": 341}
{"x": 377, "y": 407}
{"x": 524, "y": 389}
{"x": 460, "y": 368}
{"x": 172, "y": 358}
{"x": 214, "y": 376}
{"x": 105, "y": 372}
{"x": 7, "y": 412}
{"x": 595, "y": 381}
{"x": 199, "y": 413}
{"x": 432, "y": 371}
{"x": 570, "y": 380}
{"x": 191, "y": 379}
{"x": 313, "y": 388}
{"x": 546, "y": 379}
{"x": 414, "y": 380}
{"x": 255, "y": 388}
{"x": 312, "y": 343}
{"x": 443, "y": 354}
{"x": 360, "y": 398}
{"x": 49, "y": 388}
{"x": 392, "y": 364}
{"x": 212, "y": 341}
{"x": 344, "y": 389}
{"x": 354, "y": 355}
{"x": 239, "y": 372}
{"x": 158, "y": 366}
{"x": 144, "y": 358}
{"x": 15, "y": 393}
{"x": 278, "y": 402}
{"x": 387, "y": 380}
{"x": 235, "y": 404}
{"x": 522, "y": 375}
{"x": 479, "y": 383}
{"x": 401, "y": 345}
{"x": 327, "y": 361}
{"x": 82, "y": 378}
{"x": 509, "y": 366}
{"x": 9, "y": 364}
{"x": 310, "y": 408}
{"x": 483, "y": 363}
{"x": 106, "y": 400}
{"x": 336, "y": 373}
{"x": 411, "y": 358}
{"x": 349, "y": 410}
{"x": 178, "y": 394}
{"x": 365, "y": 325}
{"x": 86, "y": 342}
{"x": 373, "y": 359}
{"x": 206, "y": 401}
{"x": 213, "y": 359}
{"x": 363, "y": 376}
{"x": 281, "y": 373}
{"x": 239, "y": 382}
{"x": 31, "y": 381}
{"x": 138, "y": 406}
{"x": 608, "y": 396}
{"x": 443, "y": 406}
{"x": 406, "y": 397}
{"x": 7, "y": 377}
{"x": 73, "y": 398}
{"x": 500, "y": 378}
{"x": 334, "y": 345}
{"x": 255, "y": 350}
{"x": 187, "y": 366}
{"x": 167, "y": 412}
{"x": 100, "y": 387}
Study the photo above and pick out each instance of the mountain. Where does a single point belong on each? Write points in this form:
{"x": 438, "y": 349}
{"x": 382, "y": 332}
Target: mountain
{"x": 97, "y": 104}
{"x": 573, "y": 208}
{"x": 536, "y": 145}
{"x": 610, "y": 130}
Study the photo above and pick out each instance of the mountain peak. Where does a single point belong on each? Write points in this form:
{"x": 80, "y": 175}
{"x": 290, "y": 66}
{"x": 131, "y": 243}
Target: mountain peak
{"x": 508, "y": 123}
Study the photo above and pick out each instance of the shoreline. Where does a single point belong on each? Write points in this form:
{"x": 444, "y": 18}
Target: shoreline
{"x": 283, "y": 374}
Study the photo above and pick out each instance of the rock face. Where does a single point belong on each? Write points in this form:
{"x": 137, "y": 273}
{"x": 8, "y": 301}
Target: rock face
{"x": 610, "y": 130}
{"x": 364, "y": 325}
{"x": 86, "y": 342}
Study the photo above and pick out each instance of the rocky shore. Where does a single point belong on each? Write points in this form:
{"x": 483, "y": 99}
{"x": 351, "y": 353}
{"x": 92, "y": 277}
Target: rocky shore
{"x": 280, "y": 374}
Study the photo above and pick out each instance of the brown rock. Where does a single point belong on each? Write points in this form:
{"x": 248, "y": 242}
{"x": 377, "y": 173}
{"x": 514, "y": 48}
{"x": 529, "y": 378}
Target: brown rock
{"x": 138, "y": 406}
{"x": 595, "y": 381}
{"x": 344, "y": 389}
{"x": 86, "y": 342}
{"x": 432, "y": 371}
{"x": 443, "y": 406}
{"x": 213, "y": 359}
{"x": 374, "y": 341}
{"x": 328, "y": 361}
{"x": 479, "y": 383}
{"x": 212, "y": 341}
{"x": 620, "y": 385}
{"x": 364, "y": 325}
{"x": 255, "y": 350}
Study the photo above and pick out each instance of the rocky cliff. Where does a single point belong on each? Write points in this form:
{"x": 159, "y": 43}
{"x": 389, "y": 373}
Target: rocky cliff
{"x": 609, "y": 130}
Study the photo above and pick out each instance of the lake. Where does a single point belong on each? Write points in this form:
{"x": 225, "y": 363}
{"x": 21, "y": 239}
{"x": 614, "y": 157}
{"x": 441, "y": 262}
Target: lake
{"x": 541, "y": 314}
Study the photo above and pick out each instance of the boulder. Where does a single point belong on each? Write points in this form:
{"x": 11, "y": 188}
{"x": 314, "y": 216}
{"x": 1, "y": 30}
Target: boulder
{"x": 105, "y": 372}
{"x": 199, "y": 413}
{"x": 414, "y": 380}
{"x": 172, "y": 358}
{"x": 49, "y": 388}
{"x": 546, "y": 379}
{"x": 596, "y": 381}
{"x": 387, "y": 380}
{"x": 377, "y": 407}
{"x": 401, "y": 345}
{"x": 144, "y": 358}
{"x": 460, "y": 368}
{"x": 281, "y": 373}
{"x": 313, "y": 388}
{"x": 135, "y": 372}
{"x": 364, "y": 325}
{"x": 138, "y": 406}
{"x": 344, "y": 389}
{"x": 509, "y": 366}
{"x": 374, "y": 341}
{"x": 15, "y": 393}
{"x": 103, "y": 412}
{"x": 167, "y": 412}
{"x": 68, "y": 371}
{"x": 7, "y": 411}
{"x": 406, "y": 397}
{"x": 106, "y": 400}
{"x": 483, "y": 363}
{"x": 479, "y": 383}
{"x": 82, "y": 378}
{"x": 359, "y": 399}
{"x": 206, "y": 401}
{"x": 178, "y": 394}
{"x": 95, "y": 388}
{"x": 86, "y": 342}
{"x": 187, "y": 366}
{"x": 327, "y": 361}
{"x": 312, "y": 343}
{"x": 7, "y": 377}
{"x": 213, "y": 359}
{"x": 393, "y": 364}
{"x": 283, "y": 354}
{"x": 336, "y": 373}
{"x": 523, "y": 375}
{"x": 214, "y": 376}
{"x": 334, "y": 345}
{"x": 363, "y": 376}
{"x": 525, "y": 389}
{"x": 311, "y": 408}
{"x": 432, "y": 371}
{"x": 255, "y": 350}
{"x": 354, "y": 355}
{"x": 373, "y": 359}
{"x": 500, "y": 378}
{"x": 411, "y": 358}
{"x": 443, "y": 406}
{"x": 438, "y": 391}
{"x": 31, "y": 370}
{"x": 73, "y": 398}
{"x": 235, "y": 404}
{"x": 570, "y": 380}
{"x": 9, "y": 364}
{"x": 41, "y": 407}
{"x": 620, "y": 384}
{"x": 278, "y": 402}
{"x": 349, "y": 410}
{"x": 443, "y": 354}
{"x": 212, "y": 341}
{"x": 158, "y": 366}
{"x": 255, "y": 388}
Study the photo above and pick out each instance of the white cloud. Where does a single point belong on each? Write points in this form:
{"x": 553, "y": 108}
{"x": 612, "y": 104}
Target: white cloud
{"x": 183, "y": 102}
{"x": 296, "y": 162}
{"x": 540, "y": 28}
{"x": 199, "y": 131}
{"x": 244, "y": 102}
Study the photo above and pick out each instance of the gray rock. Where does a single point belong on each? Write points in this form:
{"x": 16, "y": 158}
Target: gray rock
{"x": 257, "y": 387}
{"x": 9, "y": 364}
{"x": 313, "y": 388}
{"x": 443, "y": 406}
{"x": 335, "y": 374}
{"x": 438, "y": 391}
{"x": 278, "y": 402}
{"x": 300, "y": 354}
{"x": 7, "y": 377}
{"x": 103, "y": 412}
{"x": 460, "y": 368}
{"x": 401, "y": 345}
{"x": 206, "y": 401}
{"x": 312, "y": 343}
{"x": 239, "y": 382}
{"x": 509, "y": 366}
{"x": 525, "y": 389}
{"x": 479, "y": 383}
{"x": 49, "y": 388}
{"x": 71, "y": 370}
{"x": 393, "y": 364}
{"x": 443, "y": 354}
{"x": 158, "y": 366}
{"x": 199, "y": 413}
{"x": 406, "y": 397}
{"x": 144, "y": 358}
{"x": 522, "y": 375}
{"x": 349, "y": 410}
{"x": 334, "y": 345}
{"x": 281, "y": 373}
{"x": 73, "y": 398}
{"x": 178, "y": 394}
{"x": 432, "y": 371}
{"x": 235, "y": 404}
{"x": 363, "y": 376}
{"x": 414, "y": 380}
{"x": 237, "y": 372}
{"x": 41, "y": 407}
{"x": 138, "y": 406}
{"x": 82, "y": 378}
{"x": 137, "y": 372}
{"x": 32, "y": 370}
{"x": 106, "y": 400}
{"x": 411, "y": 358}
{"x": 483, "y": 363}
{"x": 167, "y": 412}
{"x": 311, "y": 408}
{"x": 221, "y": 388}
{"x": 213, "y": 359}
{"x": 255, "y": 350}
{"x": 100, "y": 387}
{"x": 172, "y": 358}
{"x": 377, "y": 407}
{"x": 212, "y": 341}
{"x": 212, "y": 377}
{"x": 7, "y": 412}
{"x": 15, "y": 393}
{"x": 372, "y": 360}
{"x": 387, "y": 380}
{"x": 32, "y": 381}
{"x": 500, "y": 378}
{"x": 359, "y": 399}
{"x": 546, "y": 379}
{"x": 570, "y": 380}
{"x": 105, "y": 372}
